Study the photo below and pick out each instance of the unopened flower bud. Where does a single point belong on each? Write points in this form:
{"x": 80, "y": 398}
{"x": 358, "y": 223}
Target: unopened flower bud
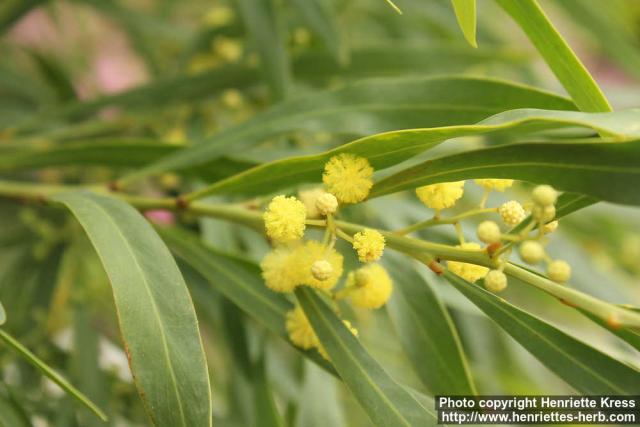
{"x": 550, "y": 227}
{"x": 559, "y": 271}
{"x": 544, "y": 213}
{"x": 488, "y": 232}
{"x": 321, "y": 269}
{"x": 531, "y": 252}
{"x": 327, "y": 204}
{"x": 544, "y": 195}
{"x": 512, "y": 213}
{"x": 495, "y": 281}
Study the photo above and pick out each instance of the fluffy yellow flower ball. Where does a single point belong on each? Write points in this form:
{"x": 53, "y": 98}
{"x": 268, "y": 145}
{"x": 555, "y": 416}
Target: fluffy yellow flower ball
{"x": 311, "y": 252}
{"x": 348, "y": 177}
{"x": 441, "y": 196}
{"x": 494, "y": 184}
{"x": 351, "y": 329}
{"x": 370, "y": 286}
{"x": 559, "y": 271}
{"x": 280, "y": 269}
{"x": 300, "y": 331}
{"x": 469, "y": 272}
{"x": 284, "y": 219}
{"x": 369, "y": 244}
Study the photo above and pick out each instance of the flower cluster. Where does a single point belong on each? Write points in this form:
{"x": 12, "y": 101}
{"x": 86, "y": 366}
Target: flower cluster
{"x": 294, "y": 261}
{"x": 347, "y": 179}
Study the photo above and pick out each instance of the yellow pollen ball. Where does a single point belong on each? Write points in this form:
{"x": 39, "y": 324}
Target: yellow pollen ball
{"x": 284, "y": 219}
{"x": 550, "y": 227}
{"x": 469, "y": 272}
{"x": 279, "y": 269}
{"x": 311, "y": 252}
{"x": 559, "y": 271}
{"x": 512, "y": 213}
{"x": 369, "y": 244}
{"x": 348, "y": 177}
{"x": 300, "y": 331}
{"x": 441, "y": 196}
{"x": 494, "y": 184}
{"x": 495, "y": 281}
{"x": 370, "y": 286}
{"x": 488, "y": 232}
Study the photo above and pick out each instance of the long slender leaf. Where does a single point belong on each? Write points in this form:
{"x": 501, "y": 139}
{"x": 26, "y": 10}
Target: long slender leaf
{"x": 388, "y": 149}
{"x": 114, "y": 152}
{"x": 386, "y": 402}
{"x": 583, "y": 367}
{"x": 266, "y": 411}
{"x": 367, "y": 107}
{"x": 607, "y": 171}
{"x": 260, "y": 21}
{"x": 12, "y": 343}
{"x": 558, "y": 55}
{"x": 427, "y": 332}
{"x": 155, "y": 311}
{"x": 466, "y": 15}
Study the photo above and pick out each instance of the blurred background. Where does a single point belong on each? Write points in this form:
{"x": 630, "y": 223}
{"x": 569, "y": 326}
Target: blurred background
{"x": 178, "y": 72}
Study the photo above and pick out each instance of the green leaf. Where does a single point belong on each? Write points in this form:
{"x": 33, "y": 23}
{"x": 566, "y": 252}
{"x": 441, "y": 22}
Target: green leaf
{"x": 321, "y": 20}
{"x": 386, "y": 402}
{"x": 466, "y": 15}
{"x": 114, "y": 152}
{"x": 260, "y": 21}
{"x": 607, "y": 171}
{"x": 427, "y": 331}
{"x": 387, "y": 149}
{"x": 631, "y": 336}
{"x": 50, "y": 373}
{"x": 583, "y": 367}
{"x": 557, "y": 54}
{"x": 155, "y": 312}
{"x": 266, "y": 411}
{"x": 12, "y": 415}
{"x": 238, "y": 280}
{"x": 367, "y": 107}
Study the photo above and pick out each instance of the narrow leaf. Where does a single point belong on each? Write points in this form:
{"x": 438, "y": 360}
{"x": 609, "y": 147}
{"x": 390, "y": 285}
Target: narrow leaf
{"x": 386, "y": 402}
{"x": 266, "y": 411}
{"x": 259, "y": 18}
{"x": 607, "y": 171}
{"x": 466, "y": 15}
{"x": 50, "y": 373}
{"x": 557, "y": 54}
{"x": 583, "y": 367}
{"x": 367, "y": 107}
{"x": 155, "y": 311}
{"x": 387, "y": 149}
{"x": 322, "y": 22}
{"x": 427, "y": 332}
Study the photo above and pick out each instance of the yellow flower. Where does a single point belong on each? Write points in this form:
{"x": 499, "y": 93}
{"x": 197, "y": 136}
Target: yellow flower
{"x": 469, "y": 272}
{"x": 351, "y": 329}
{"x": 348, "y": 177}
{"x": 369, "y": 287}
{"x": 306, "y": 257}
{"x": 279, "y": 269}
{"x": 495, "y": 281}
{"x": 284, "y": 219}
{"x": 299, "y": 329}
{"x": 441, "y": 196}
{"x": 494, "y": 184}
{"x": 369, "y": 244}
